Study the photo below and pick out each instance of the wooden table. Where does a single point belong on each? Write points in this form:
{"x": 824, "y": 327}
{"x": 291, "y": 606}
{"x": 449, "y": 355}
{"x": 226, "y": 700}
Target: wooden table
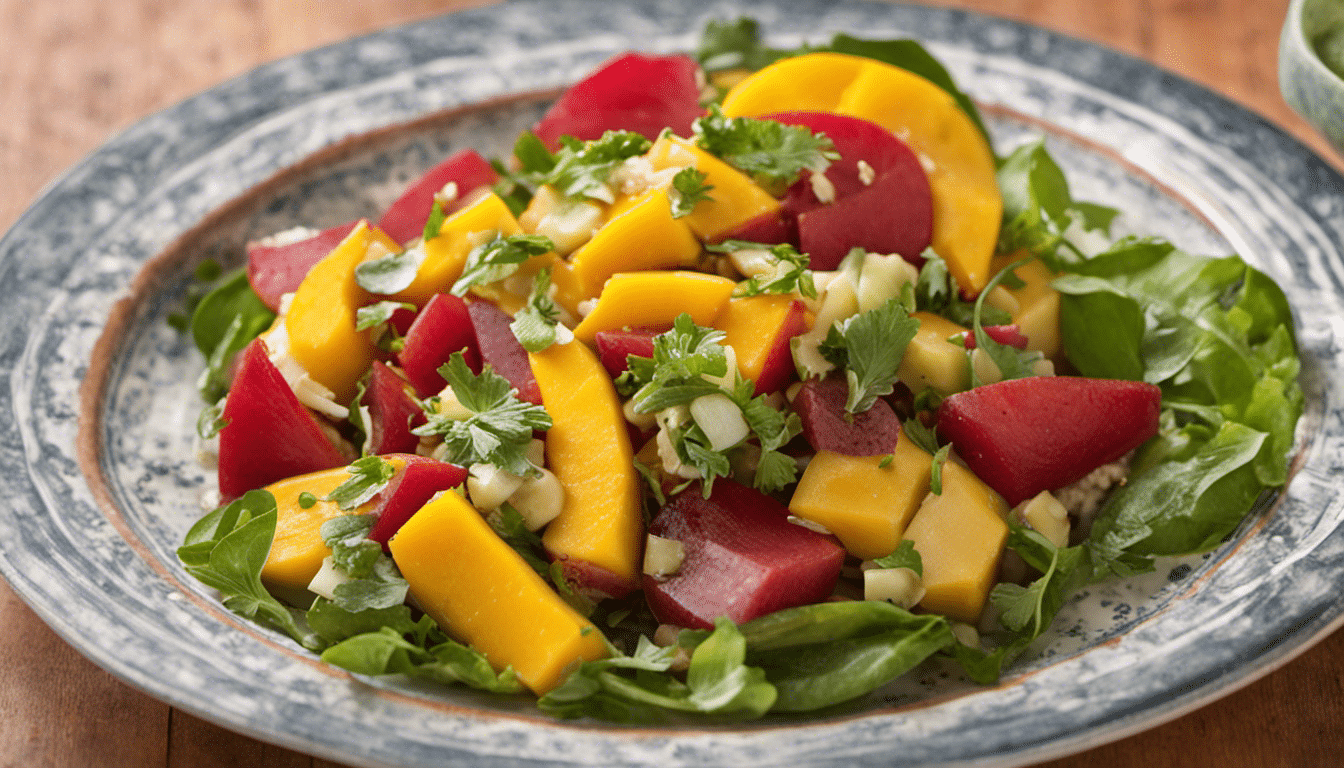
{"x": 76, "y": 71}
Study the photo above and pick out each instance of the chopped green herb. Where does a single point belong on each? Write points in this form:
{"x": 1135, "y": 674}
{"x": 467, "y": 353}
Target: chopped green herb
{"x": 498, "y": 258}
{"x": 688, "y": 188}
{"x": 771, "y": 152}
{"x": 390, "y": 274}
{"x": 307, "y": 500}
{"x": 368, "y": 476}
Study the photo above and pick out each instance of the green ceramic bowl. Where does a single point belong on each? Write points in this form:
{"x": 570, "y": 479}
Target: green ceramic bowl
{"x": 1313, "y": 34}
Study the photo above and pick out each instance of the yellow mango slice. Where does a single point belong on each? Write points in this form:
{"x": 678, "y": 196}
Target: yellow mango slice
{"x": 967, "y": 206}
{"x": 640, "y": 234}
{"x": 655, "y": 297}
{"x": 959, "y": 536}
{"x": 298, "y": 550}
{"x": 735, "y": 198}
{"x": 446, "y": 254}
{"x": 320, "y": 322}
{"x": 483, "y": 593}
{"x": 813, "y": 82}
{"x": 931, "y": 360}
{"x": 1037, "y": 314}
{"x": 588, "y": 449}
{"x": 866, "y": 505}
{"x": 750, "y": 325}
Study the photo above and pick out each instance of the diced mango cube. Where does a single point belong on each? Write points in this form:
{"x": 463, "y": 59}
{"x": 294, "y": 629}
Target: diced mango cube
{"x": 483, "y": 593}
{"x": 588, "y": 449}
{"x": 734, "y": 200}
{"x": 655, "y": 297}
{"x": 320, "y": 322}
{"x": 751, "y": 326}
{"x": 959, "y": 535}
{"x": 297, "y": 550}
{"x": 933, "y": 361}
{"x": 640, "y": 234}
{"x": 865, "y": 504}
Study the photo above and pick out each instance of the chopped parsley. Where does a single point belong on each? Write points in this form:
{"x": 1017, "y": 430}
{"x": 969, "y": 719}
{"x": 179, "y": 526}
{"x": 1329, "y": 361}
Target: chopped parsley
{"x": 368, "y": 476}
{"x": 773, "y": 153}
{"x": 582, "y": 168}
{"x": 537, "y": 324}
{"x": 688, "y": 188}
{"x": 791, "y": 270}
{"x": 498, "y": 258}
{"x": 869, "y": 347}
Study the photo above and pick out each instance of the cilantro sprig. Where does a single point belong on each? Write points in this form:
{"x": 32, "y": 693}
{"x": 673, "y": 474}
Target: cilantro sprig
{"x": 771, "y": 152}
{"x": 791, "y": 272}
{"x": 368, "y": 476}
{"x": 688, "y": 188}
{"x": 582, "y": 168}
{"x": 537, "y": 324}
{"x": 869, "y": 347}
{"x": 500, "y": 426}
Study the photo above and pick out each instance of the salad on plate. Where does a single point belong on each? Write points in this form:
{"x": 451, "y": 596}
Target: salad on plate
{"x": 752, "y": 380}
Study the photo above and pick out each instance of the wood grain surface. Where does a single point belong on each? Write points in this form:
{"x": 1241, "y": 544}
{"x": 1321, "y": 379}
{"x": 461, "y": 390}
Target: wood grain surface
{"x": 74, "y": 72}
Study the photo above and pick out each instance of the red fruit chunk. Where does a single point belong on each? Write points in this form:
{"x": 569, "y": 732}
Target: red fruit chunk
{"x": 613, "y": 347}
{"x": 820, "y": 405}
{"x": 268, "y": 434}
{"x": 408, "y": 491}
{"x": 405, "y": 219}
{"x": 888, "y": 216}
{"x": 392, "y": 412}
{"x": 441, "y": 328}
{"x": 500, "y": 349}
{"x": 894, "y": 210}
{"x": 593, "y": 581}
{"x": 631, "y": 92}
{"x": 1024, "y": 436}
{"x": 274, "y": 270}
{"x": 744, "y": 559}
{"x": 770, "y": 228}
{"x": 1010, "y": 335}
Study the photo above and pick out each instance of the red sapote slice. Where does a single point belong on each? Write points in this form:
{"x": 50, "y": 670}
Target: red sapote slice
{"x": 405, "y": 219}
{"x": 820, "y": 405}
{"x": 268, "y": 435}
{"x": 631, "y": 92}
{"x": 501, "y": 350}
{"x": 393, "y": 412}
{"x": 409, "y": 490}
{"x": 1024, "y": 436}
{"x": 743, "y": 558}
{"x": 274, "y": 270}
{"x": 442, "y": 327}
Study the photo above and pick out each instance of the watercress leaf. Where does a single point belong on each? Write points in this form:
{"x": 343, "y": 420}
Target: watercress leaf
{"x": 718, "y": 679}
{"x": 827, "y": 673}
{"x": 390, "y": 274}
{"x": 205, "y": 533}
{"x": 821, "y": 622}
{"x": 385, "y": 590}
{"x": 232, "y": 299}
{"x": 380, "y": 652}
{"x": 1180, "y": 506}
{"x": 904, "y": 556}
{"x": 368, "y": 476}
{"x": 351, "y": 549}
{"x": 334, "y": 624}
{"x": 1102, "y": 328}
{"x": 453, "y": 662}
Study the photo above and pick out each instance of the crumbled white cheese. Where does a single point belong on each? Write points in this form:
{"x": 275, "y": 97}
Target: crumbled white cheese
{"x": 866, "y": 173}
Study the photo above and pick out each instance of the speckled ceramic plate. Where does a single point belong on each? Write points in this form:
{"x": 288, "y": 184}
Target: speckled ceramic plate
{"x": 99, "y": 400}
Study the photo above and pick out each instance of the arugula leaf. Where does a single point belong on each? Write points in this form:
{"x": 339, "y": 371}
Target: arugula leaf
{"x": 537, "y": 324}
{"x": 226, "y": 550}
{"x": 773, "y": 153}
{"x": 500, "y": 427}
{"x": 869, "y": 347}
{"x": 688, "y": 188}
{"x": 222, "y": 323}
{"x": 582, "y": 169}
{"x": 368, "y": 476}
{"x": 498, "y": 258}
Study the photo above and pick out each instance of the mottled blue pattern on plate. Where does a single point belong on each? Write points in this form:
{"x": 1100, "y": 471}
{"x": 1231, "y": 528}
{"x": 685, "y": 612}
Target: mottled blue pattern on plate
{"x": 1182, "y": 162}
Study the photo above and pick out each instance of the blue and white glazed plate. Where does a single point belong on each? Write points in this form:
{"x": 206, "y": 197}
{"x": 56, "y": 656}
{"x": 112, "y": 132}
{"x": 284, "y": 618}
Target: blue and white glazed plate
{"x": 99, "y": 396}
